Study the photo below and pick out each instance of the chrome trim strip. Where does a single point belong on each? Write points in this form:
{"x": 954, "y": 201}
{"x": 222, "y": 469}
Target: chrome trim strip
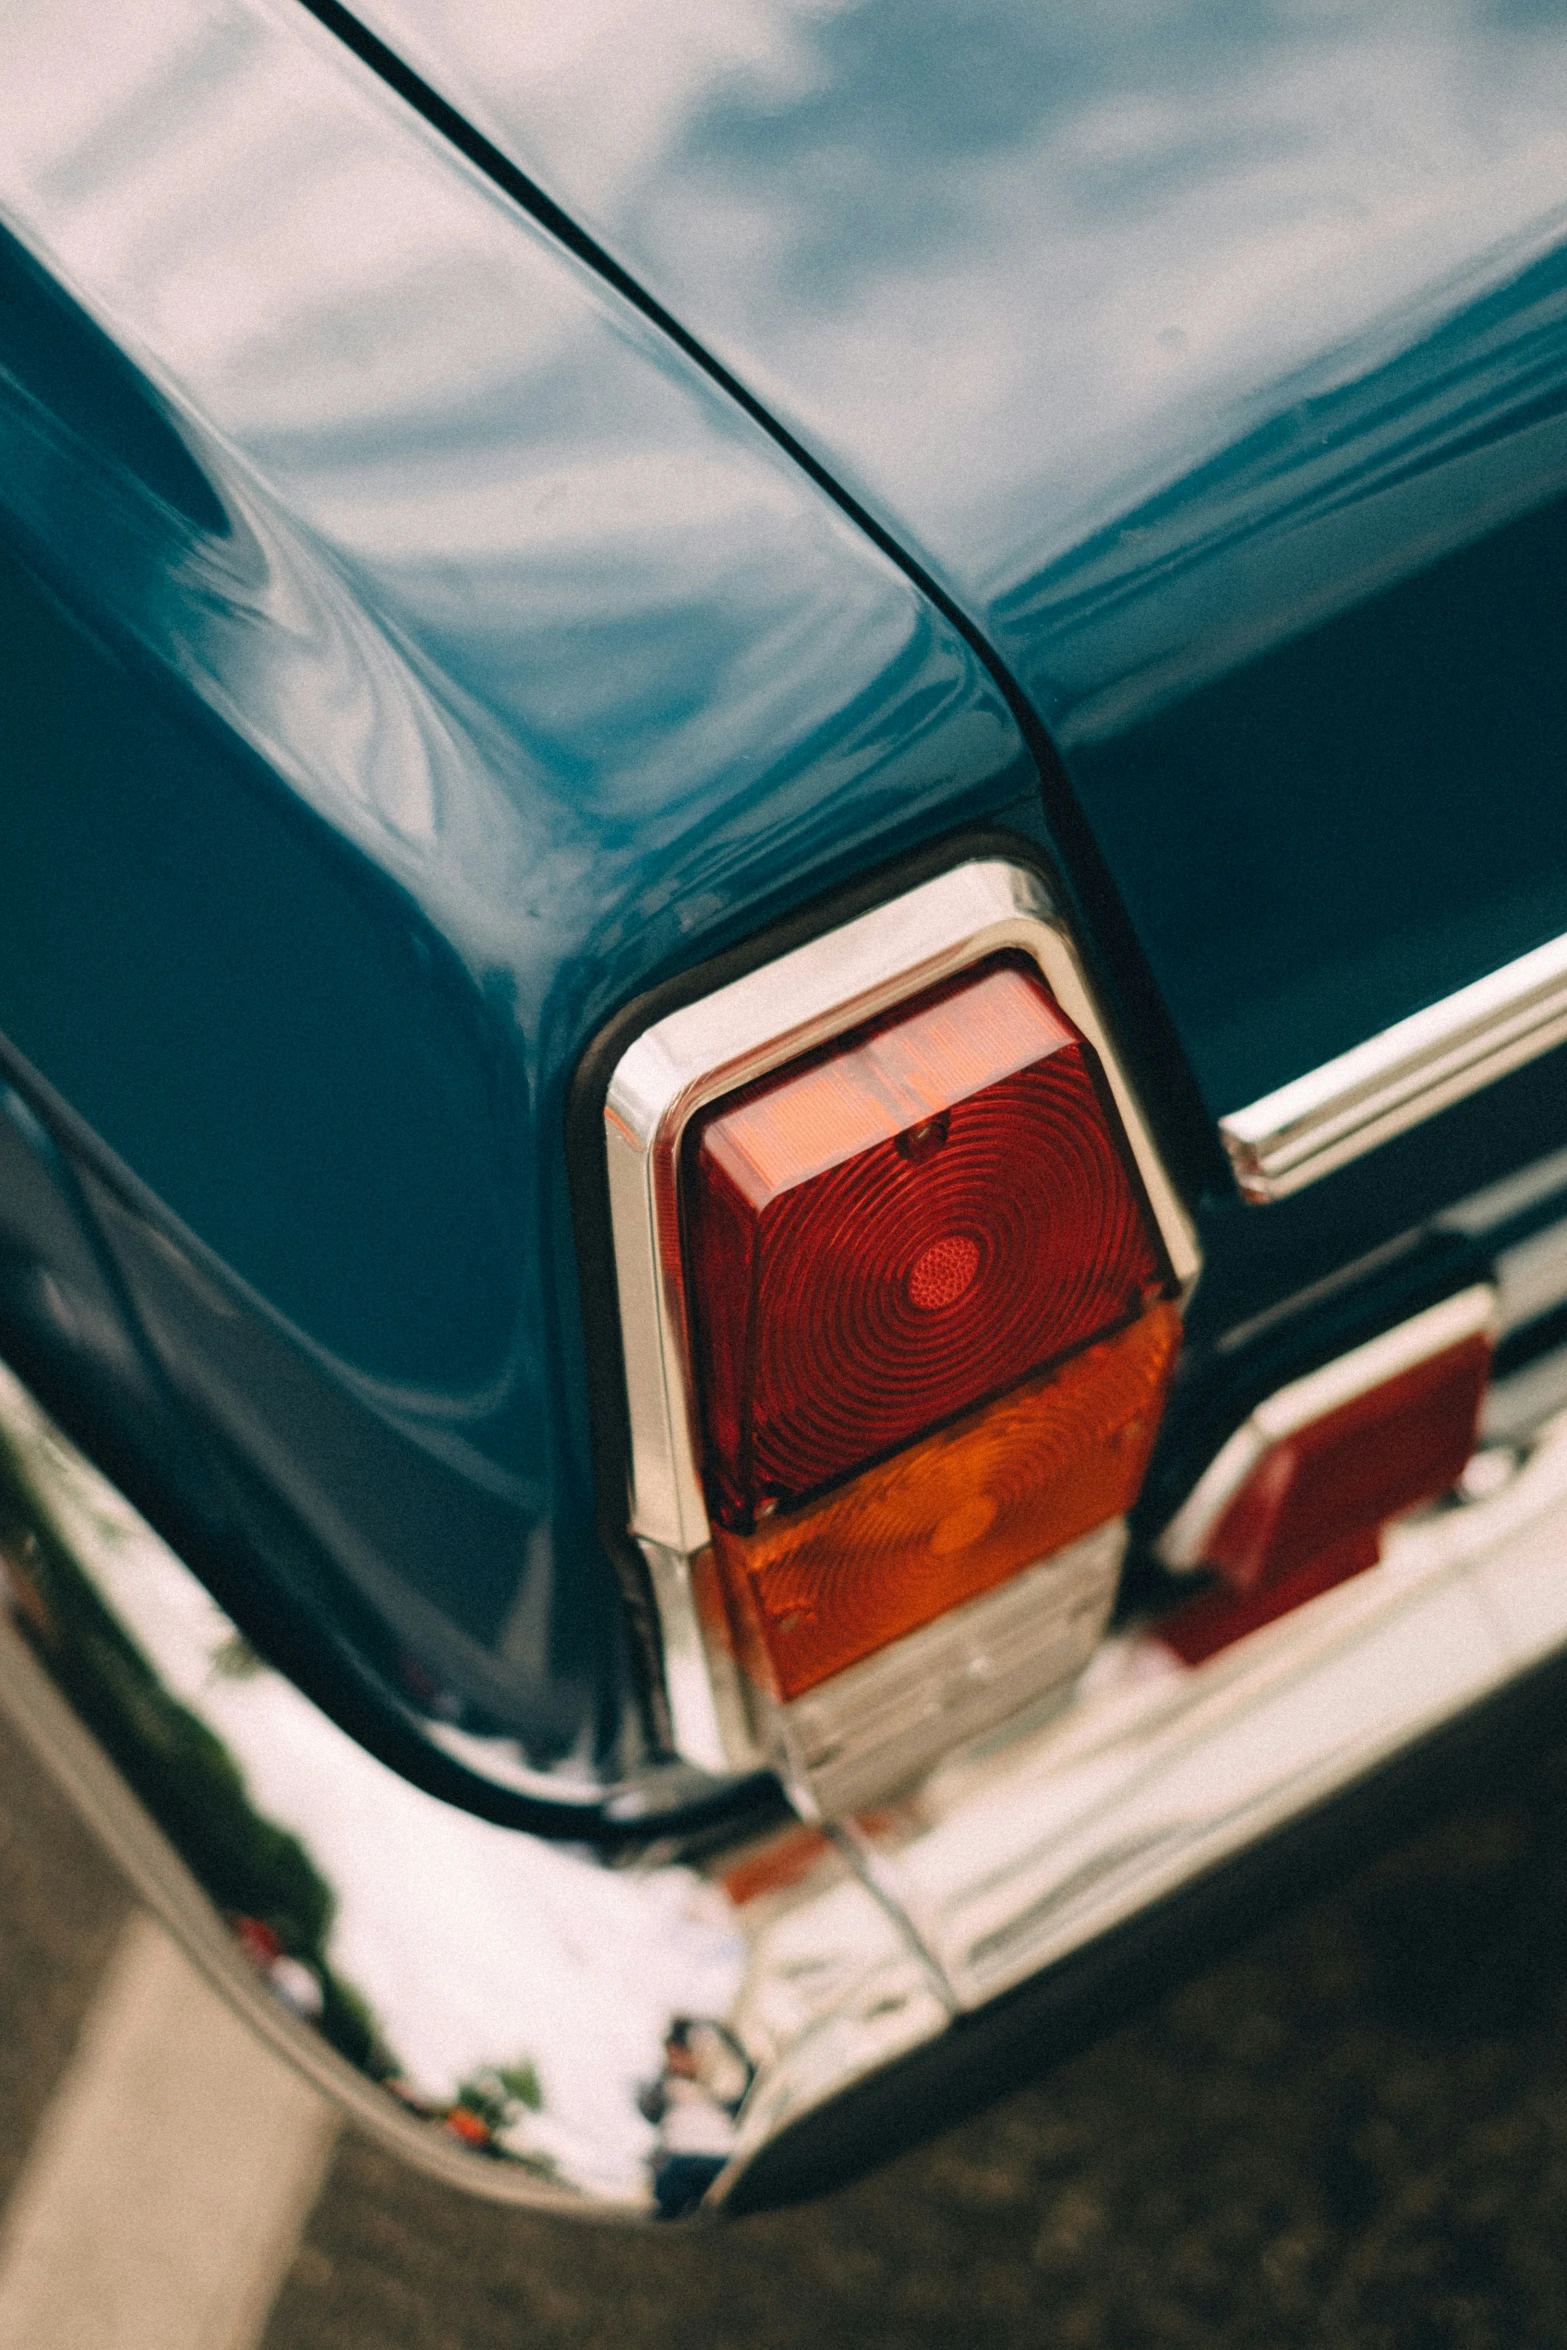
{"x": 737, "y": 1033}
{"x": 820, "y": 1960}
{"x": 706, "y": 1691}
{"x": 1531, "y": 1285}
{"x": 1289, "y": 1409}
{"x": 1396, "y": 1080}
{"x": 1485, "y": 1212}
{"x": 1515, "y": 1406}
{"x": 1531, "y": 1278}
{"x": 448, "y": 1948}
{"x": 1153, "y": 1772}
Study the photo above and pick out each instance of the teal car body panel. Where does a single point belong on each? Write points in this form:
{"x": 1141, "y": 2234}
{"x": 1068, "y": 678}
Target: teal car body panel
{"x": 417, "y": 652}
{"x": 399, "y": 676}
{"x": 1215, "y": 364}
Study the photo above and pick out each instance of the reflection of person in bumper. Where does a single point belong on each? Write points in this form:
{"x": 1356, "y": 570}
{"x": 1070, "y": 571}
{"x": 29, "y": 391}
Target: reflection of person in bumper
{"x": 694, "y": 2102}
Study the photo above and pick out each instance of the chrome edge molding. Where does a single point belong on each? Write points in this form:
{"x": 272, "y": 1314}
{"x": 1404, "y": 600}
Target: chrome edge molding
{"x": 813, "y": 1960}
{"x": 1396, "y": 1080}
{"x": 708, "y": 1048}
{"x": 451, "y": 1951}
{"x": 1008, "y": 1861}
{"x": 1289, "y": 1409}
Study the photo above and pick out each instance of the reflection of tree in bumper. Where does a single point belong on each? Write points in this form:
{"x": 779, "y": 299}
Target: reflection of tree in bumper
{"x": 492, "y": 2109}
{"x": 259, "y": 1875}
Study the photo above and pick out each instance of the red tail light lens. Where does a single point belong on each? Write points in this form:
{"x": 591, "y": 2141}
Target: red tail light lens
{"x": 898, "y": 1319}
{"x": 1346, "y": 1474}
{"x": 1298, "y": 1498}
{"x": 887, "y": 1232}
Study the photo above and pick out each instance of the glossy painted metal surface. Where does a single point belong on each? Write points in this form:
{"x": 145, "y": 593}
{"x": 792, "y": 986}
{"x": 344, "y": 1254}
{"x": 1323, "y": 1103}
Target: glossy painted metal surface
{"x": 448, "y": 659}
{"x": 1330, "y": 1116}
{"x": 438, "y": 658}
{"x": 1215, "y": 363}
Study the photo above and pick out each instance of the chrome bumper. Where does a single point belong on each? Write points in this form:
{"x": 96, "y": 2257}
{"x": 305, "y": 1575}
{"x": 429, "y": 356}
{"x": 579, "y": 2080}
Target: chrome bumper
{"x": 498, "y": 2010}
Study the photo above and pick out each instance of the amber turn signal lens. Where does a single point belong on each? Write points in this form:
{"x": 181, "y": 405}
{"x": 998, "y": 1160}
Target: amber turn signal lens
{"x": 818, "y": 1588}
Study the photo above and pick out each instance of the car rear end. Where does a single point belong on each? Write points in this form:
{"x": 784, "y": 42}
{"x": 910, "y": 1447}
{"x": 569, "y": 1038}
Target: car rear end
{"x": 759, "y": 1340}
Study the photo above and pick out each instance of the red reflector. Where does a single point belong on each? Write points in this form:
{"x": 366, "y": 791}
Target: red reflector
{"x": 1347, "y": 1473}
{"x": 1216, "y": 1619}
{"x": 890, "y": 1230}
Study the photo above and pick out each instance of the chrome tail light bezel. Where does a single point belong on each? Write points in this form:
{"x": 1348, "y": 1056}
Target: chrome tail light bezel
{"x": 709, "y": 1046}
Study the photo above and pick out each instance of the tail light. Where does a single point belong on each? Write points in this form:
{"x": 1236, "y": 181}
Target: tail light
{"x": 898, "y": 1270}
{"x": 883, "y": 1234}
{"x": 1298, "y": 1497}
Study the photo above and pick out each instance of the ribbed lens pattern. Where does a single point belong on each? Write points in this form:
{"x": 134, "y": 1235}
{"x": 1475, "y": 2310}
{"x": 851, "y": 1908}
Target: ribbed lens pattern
{"x": 815, "y": 1589}
{"x": 840, "y": 1315}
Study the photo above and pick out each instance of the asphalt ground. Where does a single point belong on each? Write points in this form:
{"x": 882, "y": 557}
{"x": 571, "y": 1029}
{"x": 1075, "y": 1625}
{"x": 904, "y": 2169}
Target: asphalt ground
{"x": 1353, "y": 2134}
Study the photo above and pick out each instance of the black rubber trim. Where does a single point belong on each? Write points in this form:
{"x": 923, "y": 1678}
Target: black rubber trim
{"x": 1062, "y": 2011}
{"x": 1531, "y": 1340}
{"x": 1191, "y": 1147}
